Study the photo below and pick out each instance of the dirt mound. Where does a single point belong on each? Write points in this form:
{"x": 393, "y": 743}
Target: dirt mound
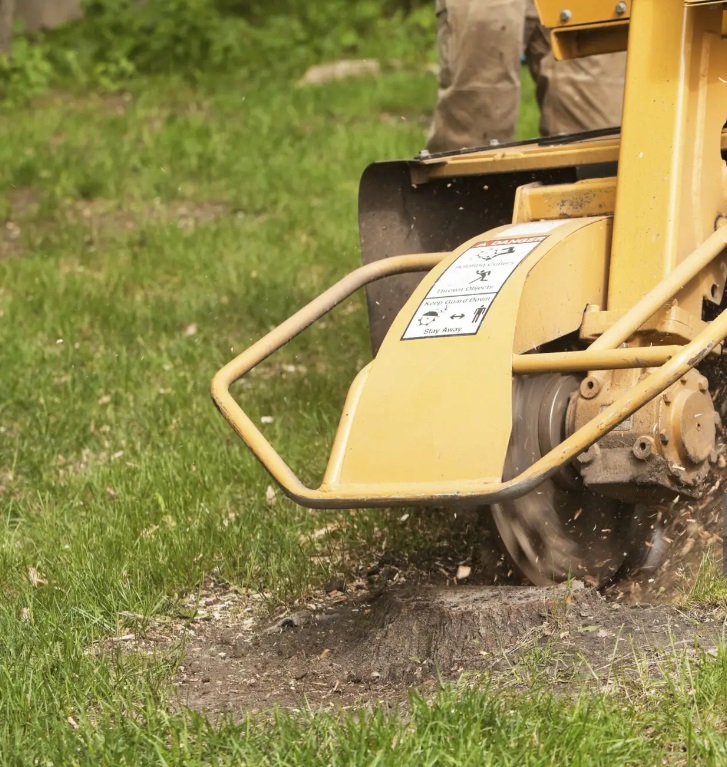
{"x": 373, "y": 645}
{"x": 448, "y": 608}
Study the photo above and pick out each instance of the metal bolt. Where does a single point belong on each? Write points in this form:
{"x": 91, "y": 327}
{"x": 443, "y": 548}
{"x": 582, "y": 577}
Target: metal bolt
{"x": 621, "y": 9}
{"x": 703, "y": 384}
{"x": 590, "y": 387}
{"x": 643, "y": 447}
{"x": 565, "y": 15}
{"x": 667, "y": 398}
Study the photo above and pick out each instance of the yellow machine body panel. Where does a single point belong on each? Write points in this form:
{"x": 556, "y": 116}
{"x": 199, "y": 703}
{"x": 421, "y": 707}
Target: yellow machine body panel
{"x": 590, "y": 27}
{"x": 548, "y": 368}
{"x": 435, "y": 404}
{"x": 581, "y": 262}
{"x": 558, "y": 13}
{"x": 555, "y": 13}
{"x": 670, "y": 169}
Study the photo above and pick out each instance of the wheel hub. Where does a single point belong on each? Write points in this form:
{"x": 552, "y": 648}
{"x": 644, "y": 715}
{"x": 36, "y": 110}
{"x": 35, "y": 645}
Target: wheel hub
{"x": 664, "y": 450}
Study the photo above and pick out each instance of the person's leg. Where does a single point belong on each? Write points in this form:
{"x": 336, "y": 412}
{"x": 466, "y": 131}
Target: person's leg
{"x": 576, "y": 95}
{"x": 480, "y": 44}
{"x": 537, "y": 41}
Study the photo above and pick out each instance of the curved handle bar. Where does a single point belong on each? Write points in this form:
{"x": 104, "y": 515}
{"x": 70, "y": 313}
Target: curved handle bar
{"x": 438, "y": 493}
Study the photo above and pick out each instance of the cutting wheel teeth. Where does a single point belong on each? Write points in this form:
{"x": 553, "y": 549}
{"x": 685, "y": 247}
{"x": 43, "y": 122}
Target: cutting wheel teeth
{"x": 564, "y": 530}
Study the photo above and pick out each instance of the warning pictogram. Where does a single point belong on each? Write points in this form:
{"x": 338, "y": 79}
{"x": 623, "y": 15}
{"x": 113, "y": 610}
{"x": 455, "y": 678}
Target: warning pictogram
{"x": 468, "y": 287}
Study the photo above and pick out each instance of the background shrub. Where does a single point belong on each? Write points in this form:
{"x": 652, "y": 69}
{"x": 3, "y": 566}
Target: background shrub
{"x": 120, "y": 39}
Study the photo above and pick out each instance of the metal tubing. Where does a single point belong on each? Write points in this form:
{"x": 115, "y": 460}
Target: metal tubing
{"x": 663, "y": 292}
{"x": 661, "y": 379}
{"x": 580, "y": 362}
{"x": 433, "y": 493}
{"x": 428, "y": 494}
{"x": 281, "y": 335}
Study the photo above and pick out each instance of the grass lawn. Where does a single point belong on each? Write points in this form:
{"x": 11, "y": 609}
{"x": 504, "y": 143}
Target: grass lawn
{"x": 147, "y": 238}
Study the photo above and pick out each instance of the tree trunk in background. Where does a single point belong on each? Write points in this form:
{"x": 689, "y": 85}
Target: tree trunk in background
{"x": 45, "y": 14}
{"x": 7, "y": 10}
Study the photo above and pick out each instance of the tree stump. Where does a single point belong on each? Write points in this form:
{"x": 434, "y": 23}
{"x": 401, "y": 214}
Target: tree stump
{"x": 407, "y": 635}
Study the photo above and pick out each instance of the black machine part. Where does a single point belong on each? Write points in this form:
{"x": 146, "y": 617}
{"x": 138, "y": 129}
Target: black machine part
{"x": 563, "y": 529}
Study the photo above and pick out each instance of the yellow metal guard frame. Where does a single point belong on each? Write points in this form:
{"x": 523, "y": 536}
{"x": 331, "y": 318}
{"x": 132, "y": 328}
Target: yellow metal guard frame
{"x": 674, "y": 362}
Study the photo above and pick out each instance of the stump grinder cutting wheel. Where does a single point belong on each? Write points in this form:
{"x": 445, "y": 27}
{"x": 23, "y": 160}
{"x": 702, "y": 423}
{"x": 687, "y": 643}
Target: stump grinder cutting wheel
{"x": 563, "y": 529}
{"x": 540, "y": 312}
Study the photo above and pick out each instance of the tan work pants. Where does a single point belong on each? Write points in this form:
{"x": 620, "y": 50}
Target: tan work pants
{"x": 480, "y": 47}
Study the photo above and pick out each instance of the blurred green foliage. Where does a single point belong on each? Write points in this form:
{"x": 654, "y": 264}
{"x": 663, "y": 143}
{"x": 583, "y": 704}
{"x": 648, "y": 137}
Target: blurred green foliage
{"x": 120, "y": 39}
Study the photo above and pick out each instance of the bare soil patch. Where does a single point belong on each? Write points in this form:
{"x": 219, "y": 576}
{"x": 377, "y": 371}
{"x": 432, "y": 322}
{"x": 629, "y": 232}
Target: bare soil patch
{"x": 22, "y": 205}
{"x": 107, "y": 216}
{"x": 373, "y": 645}
{"x": 450, "y": 610}
{"x": 9, "y": 240}
{"x": 23, "y": 230}
{"x": 435, "y": 616}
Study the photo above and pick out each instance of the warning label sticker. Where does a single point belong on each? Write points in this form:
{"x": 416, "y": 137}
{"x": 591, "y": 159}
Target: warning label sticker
{"x": 458, "y": 301}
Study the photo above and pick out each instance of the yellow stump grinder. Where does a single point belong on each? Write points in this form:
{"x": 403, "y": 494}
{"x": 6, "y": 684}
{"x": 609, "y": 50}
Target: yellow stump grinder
{"x": 543, "y": 313}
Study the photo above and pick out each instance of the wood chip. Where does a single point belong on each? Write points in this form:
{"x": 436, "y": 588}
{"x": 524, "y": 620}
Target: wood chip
{"x": 36, "y": 578}
{"x": 463, "y": 572}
